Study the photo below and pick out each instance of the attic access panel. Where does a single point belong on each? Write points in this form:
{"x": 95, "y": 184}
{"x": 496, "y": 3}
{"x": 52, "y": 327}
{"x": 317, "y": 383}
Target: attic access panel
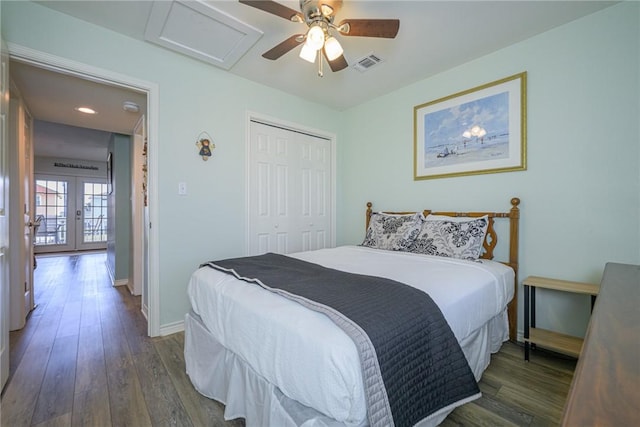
{"x": 200, "y": 31}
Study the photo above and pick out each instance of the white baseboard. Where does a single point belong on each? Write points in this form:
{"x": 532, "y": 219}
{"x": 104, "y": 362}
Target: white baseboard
{"x": 131, "y": 290}
{"x": 121, "y": 282}
{"x": 172, "y": 328}
{"x": 145, "y": 311}
{"x": 111, "y": 275}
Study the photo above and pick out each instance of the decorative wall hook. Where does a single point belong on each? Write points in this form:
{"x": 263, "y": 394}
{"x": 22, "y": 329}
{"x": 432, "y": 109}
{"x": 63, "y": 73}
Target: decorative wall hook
{"x": 205, "y": 144}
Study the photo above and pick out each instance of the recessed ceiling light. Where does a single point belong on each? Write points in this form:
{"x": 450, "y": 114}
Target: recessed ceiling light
{"x": 86, "y": 110}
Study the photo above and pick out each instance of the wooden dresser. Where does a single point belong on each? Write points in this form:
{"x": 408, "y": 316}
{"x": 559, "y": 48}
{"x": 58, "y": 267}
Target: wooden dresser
{"x": 606, "y": 386}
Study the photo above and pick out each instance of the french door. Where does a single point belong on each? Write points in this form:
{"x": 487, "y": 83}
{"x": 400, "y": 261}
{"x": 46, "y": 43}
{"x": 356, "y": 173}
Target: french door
{"x": 71, "y": 213}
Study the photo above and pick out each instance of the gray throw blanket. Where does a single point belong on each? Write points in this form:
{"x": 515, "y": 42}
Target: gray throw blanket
{"x": 412, "y": 364}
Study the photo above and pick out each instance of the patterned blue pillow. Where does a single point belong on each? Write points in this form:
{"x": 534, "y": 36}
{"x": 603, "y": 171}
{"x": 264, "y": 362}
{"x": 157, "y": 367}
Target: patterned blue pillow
{"x": 392, "y": 232}
{"x": 453, "y": 237}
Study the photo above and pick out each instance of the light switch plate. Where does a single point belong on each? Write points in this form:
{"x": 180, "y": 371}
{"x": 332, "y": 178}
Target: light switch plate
{"x": 182, "y": 188}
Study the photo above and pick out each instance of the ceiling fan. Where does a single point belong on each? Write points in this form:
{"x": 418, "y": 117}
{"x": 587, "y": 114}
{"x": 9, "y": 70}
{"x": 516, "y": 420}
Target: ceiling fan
{"x": 319, "y": 40}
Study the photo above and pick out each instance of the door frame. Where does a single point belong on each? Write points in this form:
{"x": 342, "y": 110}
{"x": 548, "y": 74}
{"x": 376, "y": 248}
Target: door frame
{"x": 136, "y": 276}
{"x": 151, "y": 89}
{"x": 5, "y": 295}
{"x": 20, "y": 214}
{"x": 293, "y": 127}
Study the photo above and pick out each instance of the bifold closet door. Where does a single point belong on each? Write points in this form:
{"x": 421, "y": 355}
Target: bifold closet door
{"x": 289, "y": 187}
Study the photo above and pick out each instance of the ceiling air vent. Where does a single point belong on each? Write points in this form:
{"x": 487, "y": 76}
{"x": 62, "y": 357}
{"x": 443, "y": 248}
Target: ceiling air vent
{"x": 367, "y": 62}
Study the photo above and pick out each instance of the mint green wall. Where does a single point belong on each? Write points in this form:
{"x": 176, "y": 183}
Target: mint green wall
{"x": 580, "y": 194}
{"x": 119, "y": 225}
{"x": 209, "y": 222}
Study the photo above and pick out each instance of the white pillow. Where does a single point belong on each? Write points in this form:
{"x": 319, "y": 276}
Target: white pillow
{"x": 392, "y": 232}
{"x": 455, "y": 237}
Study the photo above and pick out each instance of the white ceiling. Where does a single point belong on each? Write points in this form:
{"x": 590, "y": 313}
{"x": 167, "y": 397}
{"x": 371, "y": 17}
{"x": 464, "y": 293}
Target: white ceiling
{"x": 434, "y": 36}
{"x": 62, "y": 131}
{"x": 53, "y": 97}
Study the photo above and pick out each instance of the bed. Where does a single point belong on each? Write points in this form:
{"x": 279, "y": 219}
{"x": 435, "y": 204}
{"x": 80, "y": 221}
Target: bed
{"x": 275, "y": 361}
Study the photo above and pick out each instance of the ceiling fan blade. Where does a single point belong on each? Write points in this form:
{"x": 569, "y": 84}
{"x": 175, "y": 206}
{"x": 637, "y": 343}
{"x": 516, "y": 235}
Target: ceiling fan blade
{"x": 340, "y": 63}
{"x": 284, "y": 47}
{"x": 385, "y": 28}
{"x": 274, "y": 8}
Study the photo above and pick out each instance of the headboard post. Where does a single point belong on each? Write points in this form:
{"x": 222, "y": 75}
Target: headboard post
{"x": 514, "y": 218}
{"x": 368, "y": 216}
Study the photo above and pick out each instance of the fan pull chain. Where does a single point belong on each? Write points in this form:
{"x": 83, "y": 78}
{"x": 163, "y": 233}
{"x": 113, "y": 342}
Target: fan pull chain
{"x": 320, "y": 73}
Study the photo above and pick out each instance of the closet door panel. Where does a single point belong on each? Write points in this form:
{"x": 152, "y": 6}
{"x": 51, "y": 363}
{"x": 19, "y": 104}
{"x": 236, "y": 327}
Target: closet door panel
{"x": 289, "y": 191}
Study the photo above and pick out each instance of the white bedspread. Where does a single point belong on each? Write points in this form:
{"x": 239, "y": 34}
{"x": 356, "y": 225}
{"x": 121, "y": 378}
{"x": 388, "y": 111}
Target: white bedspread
{"x": 309, "y": 358}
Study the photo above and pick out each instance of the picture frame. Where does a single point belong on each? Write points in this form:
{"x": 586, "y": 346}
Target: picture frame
{"x": 109, "y": 173}
{"x": 478, "y": 131}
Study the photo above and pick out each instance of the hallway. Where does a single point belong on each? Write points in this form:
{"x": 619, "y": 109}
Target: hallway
{"x": 84, "y": 358}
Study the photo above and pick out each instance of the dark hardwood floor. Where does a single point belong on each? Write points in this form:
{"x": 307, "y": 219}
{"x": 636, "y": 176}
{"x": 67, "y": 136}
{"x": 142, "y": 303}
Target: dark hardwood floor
{"x": 84, "y": 359}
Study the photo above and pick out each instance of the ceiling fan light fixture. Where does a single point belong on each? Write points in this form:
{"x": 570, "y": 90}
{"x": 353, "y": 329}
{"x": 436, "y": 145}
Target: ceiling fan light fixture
{"x": 344, "y": 28}
{"x": 308, "y": 53}
{"x": 332, "y": 48}
{"x": 319, "y": 17}
{"x": 326, "y": 10}
{"x": 315, "y": 37}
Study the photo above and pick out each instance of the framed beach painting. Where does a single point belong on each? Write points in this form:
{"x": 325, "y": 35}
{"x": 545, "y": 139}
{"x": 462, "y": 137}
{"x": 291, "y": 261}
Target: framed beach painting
{"x": 477, "y": 131}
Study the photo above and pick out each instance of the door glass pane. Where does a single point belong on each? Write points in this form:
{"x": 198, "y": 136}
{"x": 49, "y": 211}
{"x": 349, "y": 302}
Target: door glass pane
{"x": 94, "y": 212}
{"x": 51, "y": 210}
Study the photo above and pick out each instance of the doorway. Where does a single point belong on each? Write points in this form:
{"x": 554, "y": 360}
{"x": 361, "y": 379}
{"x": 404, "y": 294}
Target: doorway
{"x": 88, "y": 73}
{"x": 71, "y": 213}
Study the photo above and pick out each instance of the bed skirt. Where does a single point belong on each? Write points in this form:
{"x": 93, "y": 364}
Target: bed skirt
{"x": 220, "y": 374}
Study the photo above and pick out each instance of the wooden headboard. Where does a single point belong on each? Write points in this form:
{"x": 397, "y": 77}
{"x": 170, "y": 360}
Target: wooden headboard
{"x": 489, "y": 244}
